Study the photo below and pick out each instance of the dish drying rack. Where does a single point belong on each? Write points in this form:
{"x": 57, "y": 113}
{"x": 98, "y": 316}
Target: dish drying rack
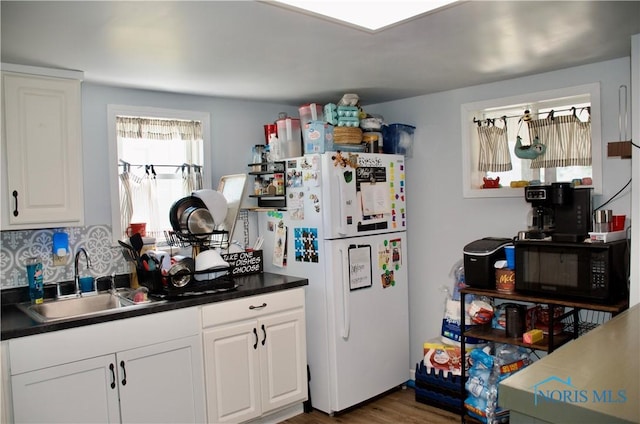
{"x": 217, "y": 238}
{"x": 195, "y": 288}
{"x": 162, "y": 285}
{"x": 198, "y": 242}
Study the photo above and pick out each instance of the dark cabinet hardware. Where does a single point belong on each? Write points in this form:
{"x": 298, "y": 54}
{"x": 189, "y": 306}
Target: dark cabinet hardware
{"x": 112, "y": 368}
{"x": 255, "y": 334}
{"x": 15, "y": 195}
{"x": 124, "y": 373}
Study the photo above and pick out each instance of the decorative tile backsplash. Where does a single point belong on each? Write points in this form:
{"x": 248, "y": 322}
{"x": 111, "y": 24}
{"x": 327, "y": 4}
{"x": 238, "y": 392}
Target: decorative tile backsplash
{"x": 19, "y": 245}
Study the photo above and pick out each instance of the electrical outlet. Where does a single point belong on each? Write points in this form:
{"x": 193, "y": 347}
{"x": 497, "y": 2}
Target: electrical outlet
{"x": 59, "y": 260}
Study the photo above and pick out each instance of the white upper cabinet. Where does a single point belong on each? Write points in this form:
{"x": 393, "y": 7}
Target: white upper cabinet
{"x": 42, "y": 151}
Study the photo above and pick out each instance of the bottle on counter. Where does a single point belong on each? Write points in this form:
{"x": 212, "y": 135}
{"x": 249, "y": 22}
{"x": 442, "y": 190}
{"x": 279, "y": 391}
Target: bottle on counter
{"x": 35, "y": 278}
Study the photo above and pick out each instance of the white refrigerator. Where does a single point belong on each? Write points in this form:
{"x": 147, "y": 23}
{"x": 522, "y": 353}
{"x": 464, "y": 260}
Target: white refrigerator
{"x": 344, "y": 229}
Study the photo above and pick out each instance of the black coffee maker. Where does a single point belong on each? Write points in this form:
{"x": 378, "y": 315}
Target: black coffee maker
{"x": 562, "y": 212}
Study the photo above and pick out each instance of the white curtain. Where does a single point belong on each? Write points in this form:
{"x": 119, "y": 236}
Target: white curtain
{"x": 138, "y": 195}
{"x": 126, "y": 199}
{"x": 188, "y": 182}
{"x": 567, "y": 140}
{"x": 158, "y": 129}
{"x": 494, "y": 149}
{"x": 150, "y": 191}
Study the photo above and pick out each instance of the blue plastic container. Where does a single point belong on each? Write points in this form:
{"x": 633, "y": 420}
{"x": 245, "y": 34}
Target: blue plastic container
{"x": 398, "y": 139}
{"x": 86, "y": 284}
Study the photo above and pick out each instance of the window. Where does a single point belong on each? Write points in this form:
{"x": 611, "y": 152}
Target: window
{"x": 157, "y": 156}
{"x": 513, "y": 139}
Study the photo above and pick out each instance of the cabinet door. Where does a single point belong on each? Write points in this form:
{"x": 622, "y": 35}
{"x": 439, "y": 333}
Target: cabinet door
{"x": 42, "y": 131}
{"x": 283, "y": 365}
{"x": 162, "y": 383}
{"x": 231, "y": 368}
{"x": 78, "y": 392}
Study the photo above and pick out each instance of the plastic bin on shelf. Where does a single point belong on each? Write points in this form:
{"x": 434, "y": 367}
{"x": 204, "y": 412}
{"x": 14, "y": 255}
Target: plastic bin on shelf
{"x": 398, "y": 139}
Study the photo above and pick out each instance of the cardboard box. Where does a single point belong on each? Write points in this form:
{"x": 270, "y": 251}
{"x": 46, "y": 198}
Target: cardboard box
{"x": 532, "y": 336}
{"x": 443, "y": 357}
{"x": 619, "y": 148}
{"x": 317, "y": 137}
{"x": 244, "y": 263}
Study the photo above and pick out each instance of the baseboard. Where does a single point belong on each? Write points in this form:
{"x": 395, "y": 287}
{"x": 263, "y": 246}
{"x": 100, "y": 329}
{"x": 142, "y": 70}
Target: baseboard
{"x": 280, "y": 415}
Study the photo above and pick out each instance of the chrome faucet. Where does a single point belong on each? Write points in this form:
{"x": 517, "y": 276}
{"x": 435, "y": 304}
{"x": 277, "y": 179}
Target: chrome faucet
{"x": 113, "y": 283}
{"x": 75, "y": 269}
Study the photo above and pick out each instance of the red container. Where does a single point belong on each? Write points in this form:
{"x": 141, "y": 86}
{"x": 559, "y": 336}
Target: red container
{"x": 268, "y": 130}
{"x": 617, "y": 222}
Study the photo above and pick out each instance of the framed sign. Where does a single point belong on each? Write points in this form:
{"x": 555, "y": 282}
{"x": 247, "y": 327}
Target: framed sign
{"x": 360, "y": 267}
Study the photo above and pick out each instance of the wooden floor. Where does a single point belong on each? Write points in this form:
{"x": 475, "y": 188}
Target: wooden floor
{"x": 398, "y": 406}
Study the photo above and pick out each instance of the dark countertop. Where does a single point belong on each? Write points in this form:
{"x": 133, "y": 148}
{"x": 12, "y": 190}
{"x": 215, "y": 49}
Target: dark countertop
{"x": 16, "y": 323}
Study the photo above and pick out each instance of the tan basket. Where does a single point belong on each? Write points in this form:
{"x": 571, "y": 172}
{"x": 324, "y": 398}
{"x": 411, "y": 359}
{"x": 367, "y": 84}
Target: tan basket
{"x": 347, "y": 135}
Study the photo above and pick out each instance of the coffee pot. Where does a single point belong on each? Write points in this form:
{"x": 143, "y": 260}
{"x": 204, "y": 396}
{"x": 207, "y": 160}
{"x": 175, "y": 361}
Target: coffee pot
{"x": 562, "y": 212}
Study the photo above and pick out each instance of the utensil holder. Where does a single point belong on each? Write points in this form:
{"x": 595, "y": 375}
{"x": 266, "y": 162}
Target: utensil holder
{"x": 153, "y": 280}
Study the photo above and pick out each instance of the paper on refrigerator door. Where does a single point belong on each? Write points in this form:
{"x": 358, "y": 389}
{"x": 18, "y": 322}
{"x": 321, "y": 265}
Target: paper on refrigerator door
{"x": 375, "y": 199}
{"x": 280, "y": 246}
{"x": 360, "y": 267}
{"x": 295, "y": 205}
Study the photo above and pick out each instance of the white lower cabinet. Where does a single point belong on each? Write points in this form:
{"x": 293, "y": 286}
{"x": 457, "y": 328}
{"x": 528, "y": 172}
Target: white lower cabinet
{"x": 78, "y": 392}
{"x": 160, "y": 382}
{"x": 254, "y": 356}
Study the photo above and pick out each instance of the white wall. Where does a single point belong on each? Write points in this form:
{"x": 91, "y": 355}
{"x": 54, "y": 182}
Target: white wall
{"x": 236, "y": 126}
{"x": 440, "y": 220}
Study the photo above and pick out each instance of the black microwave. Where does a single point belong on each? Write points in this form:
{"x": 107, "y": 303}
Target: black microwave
{"x": 586, "y": 271}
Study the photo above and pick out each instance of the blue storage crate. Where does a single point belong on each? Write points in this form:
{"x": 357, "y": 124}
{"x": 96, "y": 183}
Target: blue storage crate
{"x": 438, "y": 379}
{"x": 435, "y": 388}
{"x": 439, "y": 400}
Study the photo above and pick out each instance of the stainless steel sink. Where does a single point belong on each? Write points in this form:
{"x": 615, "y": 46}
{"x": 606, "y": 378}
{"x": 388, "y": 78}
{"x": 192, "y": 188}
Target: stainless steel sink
{"x": 82, "y": 307}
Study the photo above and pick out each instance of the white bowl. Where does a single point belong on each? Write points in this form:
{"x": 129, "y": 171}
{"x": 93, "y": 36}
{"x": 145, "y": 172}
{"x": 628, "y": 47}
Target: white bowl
{"x": 210, "y": 260}
{"x": 215, "y": 202}
{"x": 210, "y": 275}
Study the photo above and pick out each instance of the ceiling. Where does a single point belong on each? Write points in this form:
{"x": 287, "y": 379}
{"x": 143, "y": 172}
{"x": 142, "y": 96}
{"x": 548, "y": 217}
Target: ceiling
{"x": 260, "y": 51}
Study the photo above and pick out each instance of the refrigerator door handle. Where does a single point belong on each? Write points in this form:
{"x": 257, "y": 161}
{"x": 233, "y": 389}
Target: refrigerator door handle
{"x": 346, "y": 311}
{"x": 341, "y": 196}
